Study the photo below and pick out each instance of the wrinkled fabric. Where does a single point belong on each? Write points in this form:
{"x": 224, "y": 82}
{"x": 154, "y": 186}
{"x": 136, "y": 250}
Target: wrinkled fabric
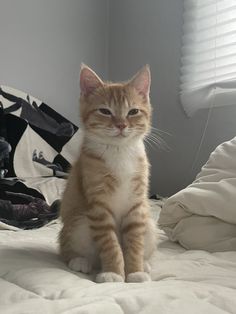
{"x": 203, "y": 215}
{"x": 34, "y": 280}
{"x": 29, "y": 212}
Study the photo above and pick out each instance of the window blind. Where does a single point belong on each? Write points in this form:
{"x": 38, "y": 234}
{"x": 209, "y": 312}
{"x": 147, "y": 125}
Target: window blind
{"x": 208, "y": 70}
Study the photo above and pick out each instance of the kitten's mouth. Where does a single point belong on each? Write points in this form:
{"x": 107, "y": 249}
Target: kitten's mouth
{"x": 120, "y": 135}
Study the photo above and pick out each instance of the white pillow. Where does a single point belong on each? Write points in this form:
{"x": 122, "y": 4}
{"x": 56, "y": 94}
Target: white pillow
{"x": 203, "y": 215}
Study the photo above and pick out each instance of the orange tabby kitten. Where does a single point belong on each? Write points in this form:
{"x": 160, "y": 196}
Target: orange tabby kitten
{"x": 104, "y": 210}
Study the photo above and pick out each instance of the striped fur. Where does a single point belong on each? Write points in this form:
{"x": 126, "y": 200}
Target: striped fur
{"x": 105, "y": 212}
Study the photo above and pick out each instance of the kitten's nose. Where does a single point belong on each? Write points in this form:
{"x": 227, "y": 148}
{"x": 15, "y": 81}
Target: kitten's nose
{"x": 121, "y": 126}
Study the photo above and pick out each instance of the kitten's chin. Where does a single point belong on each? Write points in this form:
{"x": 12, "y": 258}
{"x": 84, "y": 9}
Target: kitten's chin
{"x": 114, "y": 140}
{"x": 117, "y": 140}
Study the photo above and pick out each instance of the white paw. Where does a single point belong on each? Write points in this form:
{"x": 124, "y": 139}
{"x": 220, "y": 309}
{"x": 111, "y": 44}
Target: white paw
{"x": 80, "y": 264}
{"x": 147, "y": 267}
{"x": 109, "y": 277}
{"x": 138, "y": 276}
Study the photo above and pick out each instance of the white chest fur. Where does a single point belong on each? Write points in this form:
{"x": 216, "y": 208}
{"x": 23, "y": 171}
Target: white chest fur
{"x": 123, "y": 162}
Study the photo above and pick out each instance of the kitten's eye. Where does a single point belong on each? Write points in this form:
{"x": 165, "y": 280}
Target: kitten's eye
{"x": 105, "y": 111}
{"x": 133, "y": 112}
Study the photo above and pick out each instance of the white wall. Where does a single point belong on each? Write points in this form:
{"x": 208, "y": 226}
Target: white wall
{"x": 43, "y": 43}
{"x": 150, "y": 32}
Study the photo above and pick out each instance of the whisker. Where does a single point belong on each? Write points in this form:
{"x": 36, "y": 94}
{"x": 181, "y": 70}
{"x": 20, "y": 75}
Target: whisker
{"x": 159, "y": 130}
{"x": 160, "y": 142}
{"x": 150, "y": 144}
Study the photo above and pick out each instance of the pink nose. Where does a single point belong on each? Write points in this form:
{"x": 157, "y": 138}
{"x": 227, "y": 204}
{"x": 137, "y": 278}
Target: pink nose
{"x": 121, "y": 126}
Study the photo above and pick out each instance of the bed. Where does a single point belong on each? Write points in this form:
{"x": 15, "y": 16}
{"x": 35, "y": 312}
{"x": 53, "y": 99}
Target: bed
{"x": 33, "y": 279}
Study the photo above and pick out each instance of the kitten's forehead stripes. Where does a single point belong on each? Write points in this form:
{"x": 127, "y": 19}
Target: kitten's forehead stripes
{"x": 117, "y": 95}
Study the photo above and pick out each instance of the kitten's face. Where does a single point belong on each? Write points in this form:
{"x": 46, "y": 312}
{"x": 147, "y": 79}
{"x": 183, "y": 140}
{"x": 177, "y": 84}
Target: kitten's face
{"x": 115, "y": 113}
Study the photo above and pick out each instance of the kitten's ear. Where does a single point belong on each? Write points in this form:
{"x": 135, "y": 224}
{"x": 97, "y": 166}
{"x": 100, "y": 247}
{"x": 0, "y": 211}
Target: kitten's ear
{"x": 142, "y": 81}
{"x": 89, "y": 80}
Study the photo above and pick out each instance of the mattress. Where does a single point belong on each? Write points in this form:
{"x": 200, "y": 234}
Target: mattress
{"x": 34, "y": 280}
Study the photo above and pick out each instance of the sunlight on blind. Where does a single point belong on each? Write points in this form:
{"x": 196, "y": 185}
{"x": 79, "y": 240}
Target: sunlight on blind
{"x": 208, "y": 71}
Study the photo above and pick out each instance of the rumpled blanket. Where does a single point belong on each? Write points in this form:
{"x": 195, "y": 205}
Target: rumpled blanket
{"x": 203, "y": 215}
{"x": 26, "y": 211}
{"x": 43, "y": 142}
{"x": 37, "y": 147}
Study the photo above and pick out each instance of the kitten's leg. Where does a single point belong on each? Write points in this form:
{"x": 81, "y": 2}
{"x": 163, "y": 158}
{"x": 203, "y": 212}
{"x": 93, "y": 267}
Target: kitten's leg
{"x": 146, "y": 266}
{"x": 102, "y": 226}
{"x": 150, "y": 239}
{"x": 76, "y": 246}
{"x": 133, "y": 234}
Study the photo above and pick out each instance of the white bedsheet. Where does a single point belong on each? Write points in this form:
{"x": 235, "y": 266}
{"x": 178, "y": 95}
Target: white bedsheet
{"x": 34, "y": 280}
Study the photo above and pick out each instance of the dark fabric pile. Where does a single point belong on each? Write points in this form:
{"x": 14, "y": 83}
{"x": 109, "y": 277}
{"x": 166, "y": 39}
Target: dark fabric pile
{"x": 25, "y": 211}
{"x": 35, "y": 142}
{"x": 23, "y": 207}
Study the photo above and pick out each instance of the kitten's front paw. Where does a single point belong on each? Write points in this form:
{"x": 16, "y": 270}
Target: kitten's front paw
{"x": 138, "y": 276}
{"x": 80, "y": 264}
{"x": 109, "y": 277}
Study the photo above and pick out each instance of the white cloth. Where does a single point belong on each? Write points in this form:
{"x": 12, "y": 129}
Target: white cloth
{"x": 34, "y": 280}
{"x": 203, "y": 215}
